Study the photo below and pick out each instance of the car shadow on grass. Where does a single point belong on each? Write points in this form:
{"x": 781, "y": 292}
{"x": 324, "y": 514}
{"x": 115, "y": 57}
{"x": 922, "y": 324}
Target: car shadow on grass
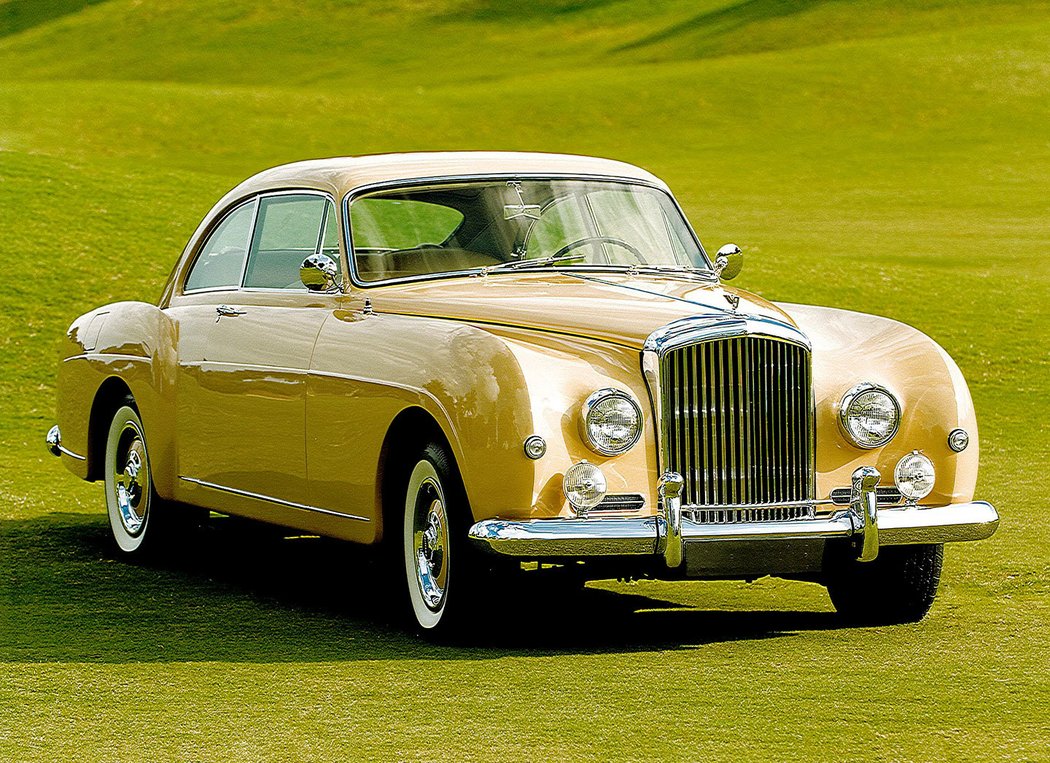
{"x": 242, "y": 592}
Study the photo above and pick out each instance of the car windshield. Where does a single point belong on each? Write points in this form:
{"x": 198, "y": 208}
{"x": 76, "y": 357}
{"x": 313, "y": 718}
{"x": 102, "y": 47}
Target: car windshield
{"x": 481, "y": 226}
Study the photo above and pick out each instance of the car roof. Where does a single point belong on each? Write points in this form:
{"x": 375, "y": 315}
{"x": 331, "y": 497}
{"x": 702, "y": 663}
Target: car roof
{"x": 341, "y": 175}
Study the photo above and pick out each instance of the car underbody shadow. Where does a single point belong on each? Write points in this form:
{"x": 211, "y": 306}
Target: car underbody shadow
{"x": 240, "y": 591}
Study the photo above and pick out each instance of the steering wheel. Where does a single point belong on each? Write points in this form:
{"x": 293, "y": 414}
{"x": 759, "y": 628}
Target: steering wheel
{"x": 599, "y": 240}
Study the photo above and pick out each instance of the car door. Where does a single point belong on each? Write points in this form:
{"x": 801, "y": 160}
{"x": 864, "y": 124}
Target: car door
{"x": 243, "y": 371}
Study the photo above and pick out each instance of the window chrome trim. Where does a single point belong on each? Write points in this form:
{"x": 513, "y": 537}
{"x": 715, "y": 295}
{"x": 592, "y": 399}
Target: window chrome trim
{"x": 422, "y": 182}
{"x": 270, "y": 499}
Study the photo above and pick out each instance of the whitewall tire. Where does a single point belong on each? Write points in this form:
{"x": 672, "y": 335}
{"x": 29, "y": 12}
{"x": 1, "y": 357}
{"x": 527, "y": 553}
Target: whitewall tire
{"x": 130, "y": 499}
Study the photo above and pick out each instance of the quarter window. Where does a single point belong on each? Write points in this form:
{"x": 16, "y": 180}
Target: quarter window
{"x": 221, "y": 259}
{"x": 289, "y": 229}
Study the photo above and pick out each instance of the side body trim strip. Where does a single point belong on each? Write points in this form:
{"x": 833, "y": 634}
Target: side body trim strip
{"x": 279, "y": 501}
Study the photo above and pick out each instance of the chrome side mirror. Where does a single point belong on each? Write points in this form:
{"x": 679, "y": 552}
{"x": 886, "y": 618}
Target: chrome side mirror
{"x": 728, "y": 262}
{"x": 319, "y": 273}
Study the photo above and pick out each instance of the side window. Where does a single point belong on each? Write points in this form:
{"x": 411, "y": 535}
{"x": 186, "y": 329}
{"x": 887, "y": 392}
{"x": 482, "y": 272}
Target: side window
{"x": 221, "y": 259}
{"x": 287, "y": 231}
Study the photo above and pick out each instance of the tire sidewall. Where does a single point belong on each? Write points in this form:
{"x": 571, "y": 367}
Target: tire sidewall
{"x": 125, "y": 541}
{"x": 425, "y": 467}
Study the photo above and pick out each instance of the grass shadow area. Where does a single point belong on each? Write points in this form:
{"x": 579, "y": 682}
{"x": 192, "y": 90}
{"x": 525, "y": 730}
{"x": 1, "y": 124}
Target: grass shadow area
{"x": 240, "y": 592}
{"x": 19, "y": 15}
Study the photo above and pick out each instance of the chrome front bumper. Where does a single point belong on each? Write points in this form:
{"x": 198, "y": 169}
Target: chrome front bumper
{"x": 673, "y": 536}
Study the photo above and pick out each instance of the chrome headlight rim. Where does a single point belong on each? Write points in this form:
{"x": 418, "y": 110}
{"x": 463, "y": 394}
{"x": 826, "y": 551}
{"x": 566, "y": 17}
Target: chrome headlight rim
{"x": 591, "y": 402}
{"x": 847, "y": 401}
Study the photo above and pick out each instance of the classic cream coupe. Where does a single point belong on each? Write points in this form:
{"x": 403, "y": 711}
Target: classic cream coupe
{"x": 476, "y": 357}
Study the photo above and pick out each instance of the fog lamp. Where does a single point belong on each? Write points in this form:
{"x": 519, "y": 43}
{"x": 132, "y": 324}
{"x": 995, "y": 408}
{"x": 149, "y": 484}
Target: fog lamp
{"x": 914, "y": 476}
{"x": 584, "y": 485}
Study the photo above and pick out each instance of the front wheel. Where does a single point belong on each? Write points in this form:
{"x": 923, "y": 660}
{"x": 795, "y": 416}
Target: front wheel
{"x": 438, "y": 565}
{"x": 897, "y": 587}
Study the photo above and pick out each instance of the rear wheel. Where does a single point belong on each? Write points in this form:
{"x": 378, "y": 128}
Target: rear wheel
{"x": 897, "y": 587}
{"x": 439, "y": 567}
{"x": 140, "y": 521}
{"x": 129, "y": 483}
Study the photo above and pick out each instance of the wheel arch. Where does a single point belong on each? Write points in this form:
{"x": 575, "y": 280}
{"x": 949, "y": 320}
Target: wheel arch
{"x": 110, "y": 395}
{"x": 410, "y": 430}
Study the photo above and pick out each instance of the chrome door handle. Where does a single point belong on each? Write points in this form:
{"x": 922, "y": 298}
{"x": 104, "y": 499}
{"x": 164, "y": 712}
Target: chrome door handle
{"x": 226, "y": 310}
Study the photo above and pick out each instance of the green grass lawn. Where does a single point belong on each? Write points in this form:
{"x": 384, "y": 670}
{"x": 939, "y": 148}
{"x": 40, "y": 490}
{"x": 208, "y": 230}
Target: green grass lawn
{"x": 880, "y": 156}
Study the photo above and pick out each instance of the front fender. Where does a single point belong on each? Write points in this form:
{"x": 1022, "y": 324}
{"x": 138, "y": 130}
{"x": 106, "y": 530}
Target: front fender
{"x": 558, "y": 374}
{"x": 851, "y": 347}
{"x": 488, "y": 388}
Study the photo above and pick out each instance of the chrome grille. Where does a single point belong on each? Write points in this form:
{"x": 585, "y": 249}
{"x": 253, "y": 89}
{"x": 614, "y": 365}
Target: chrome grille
{"x": 738, "y": 422}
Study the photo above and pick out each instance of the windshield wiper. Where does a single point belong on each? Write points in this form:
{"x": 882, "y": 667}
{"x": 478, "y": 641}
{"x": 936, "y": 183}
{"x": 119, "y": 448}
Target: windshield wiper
{"x": 543, "y": 262}
{"x": 670, "y": 268}
{"x": 536, "y": 263}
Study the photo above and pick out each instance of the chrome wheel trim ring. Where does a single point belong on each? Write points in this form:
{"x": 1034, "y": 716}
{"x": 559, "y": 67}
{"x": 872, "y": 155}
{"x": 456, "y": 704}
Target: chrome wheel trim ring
{"x": 430, "y": 543}
{"x": 426, "y": 544}
{"x": 131, "y": 484}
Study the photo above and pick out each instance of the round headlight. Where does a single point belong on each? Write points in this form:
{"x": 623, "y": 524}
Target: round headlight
{"x": 869, "y": 415}
{"x": 914, "y": 476}
{"x": 584, "y": 485}
{"x": 611, "y": 422}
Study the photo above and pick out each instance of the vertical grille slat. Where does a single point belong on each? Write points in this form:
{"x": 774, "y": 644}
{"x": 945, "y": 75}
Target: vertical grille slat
{"x": 738, "y": 425}
{"x": 745, "y": 388}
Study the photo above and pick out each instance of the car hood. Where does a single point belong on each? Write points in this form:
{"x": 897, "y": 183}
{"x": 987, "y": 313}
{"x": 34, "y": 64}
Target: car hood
{"x": 614, "y": 307}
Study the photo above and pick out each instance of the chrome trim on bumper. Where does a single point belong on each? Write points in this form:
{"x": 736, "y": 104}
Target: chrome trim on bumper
{"x": 669, "y": 534}
{"x": 54, "y": 445}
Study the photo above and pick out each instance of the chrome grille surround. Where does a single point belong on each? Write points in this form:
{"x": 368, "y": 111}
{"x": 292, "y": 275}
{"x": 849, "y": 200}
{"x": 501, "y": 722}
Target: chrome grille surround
{"x": 733, "y": 395}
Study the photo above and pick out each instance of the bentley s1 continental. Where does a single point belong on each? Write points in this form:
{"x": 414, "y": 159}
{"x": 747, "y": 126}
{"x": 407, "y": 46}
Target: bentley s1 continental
{"x": 473, "y": 357}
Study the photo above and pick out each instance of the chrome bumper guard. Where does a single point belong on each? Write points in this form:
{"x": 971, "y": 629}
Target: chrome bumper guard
{"x": 669, "y": 533}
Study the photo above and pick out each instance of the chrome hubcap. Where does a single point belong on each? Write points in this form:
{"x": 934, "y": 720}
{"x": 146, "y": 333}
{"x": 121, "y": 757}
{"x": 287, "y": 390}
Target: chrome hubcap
{"x": 131, "y": 483}
{"x": 430, "y": 544}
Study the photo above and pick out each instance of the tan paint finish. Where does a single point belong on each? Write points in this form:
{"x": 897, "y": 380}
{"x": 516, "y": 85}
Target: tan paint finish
{"x": 851, "y": 347}
{"x": 293, "y": 400}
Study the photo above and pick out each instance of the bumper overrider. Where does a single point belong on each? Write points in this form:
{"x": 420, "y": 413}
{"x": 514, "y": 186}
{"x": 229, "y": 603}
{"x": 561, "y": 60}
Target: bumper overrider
{"x": 676, "y": 538}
